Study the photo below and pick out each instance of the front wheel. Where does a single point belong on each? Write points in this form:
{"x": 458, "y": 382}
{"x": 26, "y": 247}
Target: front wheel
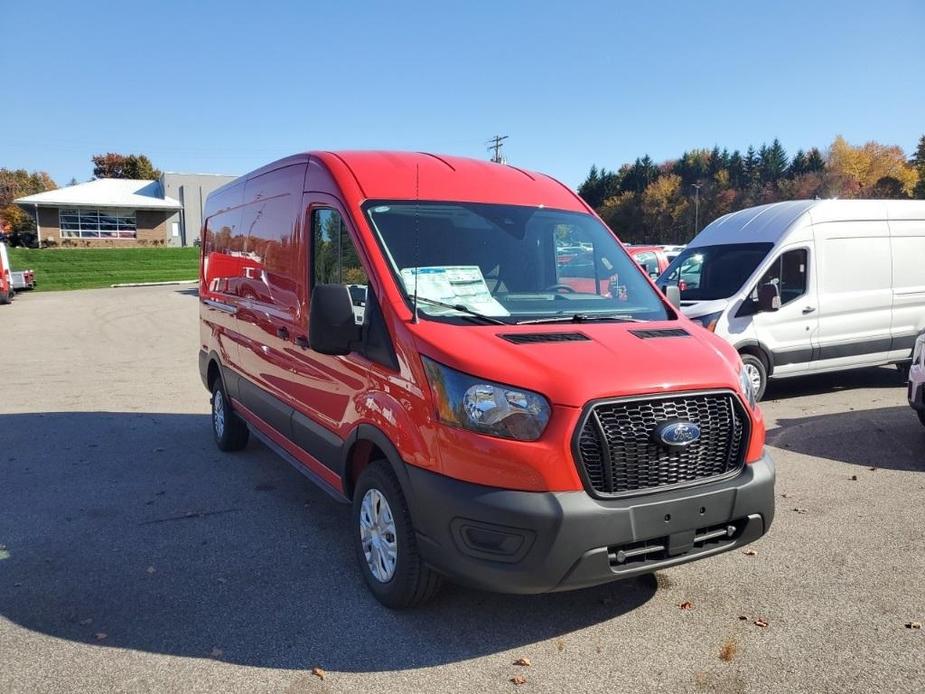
{"x": 757, "y": 373}
{"x": 385, "y": 543}
{"x": 230, "y": 431}
{"x": 6, "y": 297}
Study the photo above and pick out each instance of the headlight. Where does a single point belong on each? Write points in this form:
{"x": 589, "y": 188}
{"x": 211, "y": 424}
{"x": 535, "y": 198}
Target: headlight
{"x": 486, "y": 407}
{"x": 919, "y": 349}
{"x": 745, "y": 383}
{"x": 708, "y": 321}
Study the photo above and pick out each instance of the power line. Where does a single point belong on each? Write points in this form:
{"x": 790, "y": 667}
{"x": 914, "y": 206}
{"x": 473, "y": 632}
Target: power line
{"x": 496, "y": 143}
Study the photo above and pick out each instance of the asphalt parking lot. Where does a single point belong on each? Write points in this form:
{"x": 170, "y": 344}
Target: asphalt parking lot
{"x": 135, "y": 557}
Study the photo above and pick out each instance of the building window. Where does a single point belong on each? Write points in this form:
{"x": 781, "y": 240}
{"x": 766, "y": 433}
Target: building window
{"x": 84, "y": 223}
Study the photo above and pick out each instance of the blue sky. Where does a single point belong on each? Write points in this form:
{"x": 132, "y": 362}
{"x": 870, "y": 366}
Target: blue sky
{"x": 226, "y": 86}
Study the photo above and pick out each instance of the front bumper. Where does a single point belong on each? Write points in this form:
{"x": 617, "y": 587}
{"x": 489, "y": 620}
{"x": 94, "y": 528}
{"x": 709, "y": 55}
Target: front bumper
{"x": 916, "y": 392}
{"x": 538, "y": 542}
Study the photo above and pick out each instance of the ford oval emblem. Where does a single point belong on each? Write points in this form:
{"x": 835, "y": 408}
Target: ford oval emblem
{"x": 677, "y": 434}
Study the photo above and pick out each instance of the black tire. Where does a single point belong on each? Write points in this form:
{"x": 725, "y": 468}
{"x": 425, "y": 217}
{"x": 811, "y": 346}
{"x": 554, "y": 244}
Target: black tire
{"x": 229, "y": 430}
{"x": 412, "y": 582}
{"x": 904, "y": 369}
{"x": 921, "y": 414}
{"x": 6, "y": 297}
{"x": 752, "y": 362}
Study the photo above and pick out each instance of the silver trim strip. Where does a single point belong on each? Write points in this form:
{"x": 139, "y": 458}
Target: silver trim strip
{"x": 220, "y": 306}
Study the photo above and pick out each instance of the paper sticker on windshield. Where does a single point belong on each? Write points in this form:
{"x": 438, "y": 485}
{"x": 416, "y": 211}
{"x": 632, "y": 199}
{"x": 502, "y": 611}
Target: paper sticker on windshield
{"x": 453, "y": 284}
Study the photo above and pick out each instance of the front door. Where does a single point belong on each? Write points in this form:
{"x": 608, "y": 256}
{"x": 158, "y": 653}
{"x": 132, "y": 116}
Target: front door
{"x": 789, "y": 332}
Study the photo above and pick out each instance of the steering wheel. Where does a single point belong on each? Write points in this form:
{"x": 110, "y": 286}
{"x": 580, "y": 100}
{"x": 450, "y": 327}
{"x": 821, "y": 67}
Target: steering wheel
{"x": 560, "y": 287}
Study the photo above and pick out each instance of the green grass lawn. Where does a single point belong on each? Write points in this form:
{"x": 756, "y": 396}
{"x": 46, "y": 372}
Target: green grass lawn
{"x": 84, "y": 268}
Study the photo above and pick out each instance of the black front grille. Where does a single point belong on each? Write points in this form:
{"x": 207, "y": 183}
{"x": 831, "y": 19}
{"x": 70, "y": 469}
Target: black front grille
{"x": 619, "y": 453}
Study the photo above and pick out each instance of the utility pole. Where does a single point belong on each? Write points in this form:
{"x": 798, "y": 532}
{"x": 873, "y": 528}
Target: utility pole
{"x": 696, "y": 187}
{"x": 496, "y": 143}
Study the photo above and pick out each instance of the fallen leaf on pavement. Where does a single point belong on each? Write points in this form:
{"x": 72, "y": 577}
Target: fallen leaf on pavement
{"x": 319, "y": 673}
{"x": 519, "y": 679}
{"x": 150, "y": 569}
{"x": 872, "y": 469}
{"x": 854, "y": 478}
{"x": 86, "y": 622}
{"x": 217, "y": 653}
{"x": 800, "y": 510}
{"x": 560, "y": 646}
{"x": 524, "y": 662}
{"x": 914, "y": 625}
{"x": 686, "y": 606}
{"x": 761, "y": 623}
{"x": 728, "y": 651}
{"x": 743, "y": 618}
{"x": 101, "y": 635}
{"x": 221, "y": 580}
{"x": 750, "y": 553}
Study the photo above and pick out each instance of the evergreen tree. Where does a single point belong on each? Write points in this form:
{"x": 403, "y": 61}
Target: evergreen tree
{"x": 797, "y": 165}
{"x": 918, "y": 162}
{"x": 773, "y": 163}
{"x": 736, "y": 170}
{"x": 815, "y": 162}
{"x": 750, "y": 168}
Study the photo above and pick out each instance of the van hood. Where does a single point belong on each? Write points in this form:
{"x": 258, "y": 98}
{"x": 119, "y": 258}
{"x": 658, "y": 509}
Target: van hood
{"x": 702, "y": 308}
{"x": 592, "y": 360}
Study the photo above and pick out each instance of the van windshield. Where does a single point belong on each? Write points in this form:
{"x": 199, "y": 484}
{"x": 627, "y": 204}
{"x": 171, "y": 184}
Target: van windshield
{"x": 714, "y": 272}
{"x": 511, "y": 263}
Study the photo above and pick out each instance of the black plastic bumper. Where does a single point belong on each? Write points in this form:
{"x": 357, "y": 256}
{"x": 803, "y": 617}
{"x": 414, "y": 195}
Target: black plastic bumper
{"x": 916, "y": 396}
{"x": 537, "y": 542}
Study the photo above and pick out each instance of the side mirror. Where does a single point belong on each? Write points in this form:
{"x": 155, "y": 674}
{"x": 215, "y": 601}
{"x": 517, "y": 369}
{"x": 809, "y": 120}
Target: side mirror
{"x": 768, "y": 297}
{"x": 673, "y": 294}
{"x": 332, "y": 328}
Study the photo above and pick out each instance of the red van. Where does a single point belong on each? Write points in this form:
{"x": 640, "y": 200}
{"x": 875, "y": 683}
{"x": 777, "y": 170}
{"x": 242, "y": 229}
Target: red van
{"x": 465, "y": 353}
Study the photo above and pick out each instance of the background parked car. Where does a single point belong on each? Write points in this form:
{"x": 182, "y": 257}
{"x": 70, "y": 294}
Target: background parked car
{"x": 652, "y": 258}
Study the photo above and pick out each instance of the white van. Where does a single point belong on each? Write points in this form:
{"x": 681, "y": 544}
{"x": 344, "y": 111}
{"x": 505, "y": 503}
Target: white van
{"x": 810, "y": 285}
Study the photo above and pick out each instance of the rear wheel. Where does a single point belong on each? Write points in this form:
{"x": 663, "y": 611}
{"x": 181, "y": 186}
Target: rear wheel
{"x": 757, "y": 373}
{"x": 386, "y": 546}
{"x": 6, "y": 297}
{"x": 921, "y": 414}
{"x": 230, "y": 431}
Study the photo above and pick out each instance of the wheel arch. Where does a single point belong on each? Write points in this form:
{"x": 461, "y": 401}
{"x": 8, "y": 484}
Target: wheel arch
{"x": 365, "y": 444}
{"x": 757, "y": 349}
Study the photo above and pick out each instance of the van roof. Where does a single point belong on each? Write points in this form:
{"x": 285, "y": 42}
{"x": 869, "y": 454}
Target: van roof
{"x": 385, "y": 175}
{"x": 769, "y": 223}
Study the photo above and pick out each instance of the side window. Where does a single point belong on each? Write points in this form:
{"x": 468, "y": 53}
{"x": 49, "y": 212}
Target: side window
{"x": 649, "y": 262}
{"x": 789, "y": 273}
{"x": 335, "y": 258}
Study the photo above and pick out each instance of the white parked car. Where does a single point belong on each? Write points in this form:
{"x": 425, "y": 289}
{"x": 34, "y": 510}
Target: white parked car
{"x": 810, "y": 285}
{"x": 917, "y": 378}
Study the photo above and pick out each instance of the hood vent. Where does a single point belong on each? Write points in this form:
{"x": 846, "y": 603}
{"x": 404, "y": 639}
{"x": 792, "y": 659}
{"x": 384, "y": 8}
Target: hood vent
{"x": 667, "y": 332}
{"x": 534, "y": 338}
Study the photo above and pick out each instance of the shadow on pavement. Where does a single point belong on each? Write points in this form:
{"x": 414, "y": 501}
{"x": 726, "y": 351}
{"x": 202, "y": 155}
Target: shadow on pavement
{"x": 887, "y": 377}
{"x": 134, "y": 526}
{"x": 889, "y": 437}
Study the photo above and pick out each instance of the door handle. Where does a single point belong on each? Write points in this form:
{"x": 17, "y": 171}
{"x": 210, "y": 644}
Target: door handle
{"x": 808, "y": 309}
{"x": 282, "y": 332}
{"x": 302, "y": 341}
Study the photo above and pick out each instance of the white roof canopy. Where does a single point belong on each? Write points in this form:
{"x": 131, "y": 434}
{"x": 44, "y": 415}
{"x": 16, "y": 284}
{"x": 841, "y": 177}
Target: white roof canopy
{"x": 106, "y": 192}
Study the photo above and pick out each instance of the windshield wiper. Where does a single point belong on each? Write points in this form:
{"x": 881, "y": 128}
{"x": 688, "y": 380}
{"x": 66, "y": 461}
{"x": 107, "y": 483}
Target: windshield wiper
{"x": 463, "y": 309}
{"x": 581, "y": 318}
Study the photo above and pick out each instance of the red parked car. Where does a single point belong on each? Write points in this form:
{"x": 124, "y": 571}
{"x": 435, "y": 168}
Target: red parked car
{"x": 652, "y": 258}
{"x": 465, "y": 353}
{"x": 6, "y": 277}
